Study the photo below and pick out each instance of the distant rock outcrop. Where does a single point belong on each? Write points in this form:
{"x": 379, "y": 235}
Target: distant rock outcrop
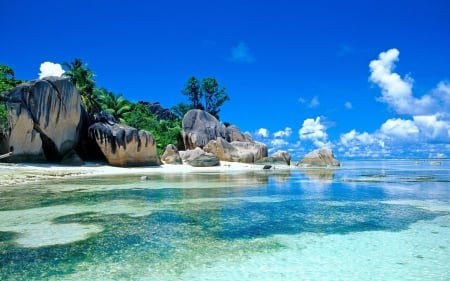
{"x": 201, "y": 129}
{"x": 236, "y": 151}
{"x": 44, "y": 121}
{"x": 199, "y": 158}
{"x": 156, "y": 109}
{"x": 282, "y": 158}
{"x": 125, "y": 146}
{"x": 322, "y": 157}
{"x": 171, "y": 155}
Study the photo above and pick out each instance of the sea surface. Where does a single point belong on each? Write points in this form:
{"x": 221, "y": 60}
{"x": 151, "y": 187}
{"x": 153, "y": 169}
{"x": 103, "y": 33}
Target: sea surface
{"x": 367, "y": 220}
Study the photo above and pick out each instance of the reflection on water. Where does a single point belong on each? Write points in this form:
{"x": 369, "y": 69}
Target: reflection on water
{"x": 194, "y": 226}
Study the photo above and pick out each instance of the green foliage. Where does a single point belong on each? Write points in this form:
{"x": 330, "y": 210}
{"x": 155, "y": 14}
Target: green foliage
{"x": 7, "y": 82}
{"x": 215, "y": 97}
{"x": 116, "y": 105}
{"x": 193, "y": 91}
{"x": 181, "y": 109}
{"x": 83, "y": 78}
{"x": 165, "y": 131}
{"x": 208, "y": 91}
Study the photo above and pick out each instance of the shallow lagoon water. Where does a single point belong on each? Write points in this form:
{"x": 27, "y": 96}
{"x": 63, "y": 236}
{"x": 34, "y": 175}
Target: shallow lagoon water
{"x": 368, "y": 220}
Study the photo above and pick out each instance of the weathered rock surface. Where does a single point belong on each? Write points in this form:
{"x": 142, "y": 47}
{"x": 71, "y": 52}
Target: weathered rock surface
{"x": 44, "y": 117}
{"x": 171, "y": 155}
{"x": 282, "y": 158}
{"x": 199, "y": 158}
{"x": 125, "y": 146}
{"x": 233, "y": 133}
{"x": 199, "y": 127}
{"x": 322, "y": 157}
{"x": 236, "y": 151}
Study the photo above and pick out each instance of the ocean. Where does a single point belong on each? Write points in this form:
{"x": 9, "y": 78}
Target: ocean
{"x": 366, "y": 220}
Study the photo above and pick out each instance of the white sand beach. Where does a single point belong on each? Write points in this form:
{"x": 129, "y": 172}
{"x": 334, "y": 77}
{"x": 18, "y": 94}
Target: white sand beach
{"x": 22, "y": 173}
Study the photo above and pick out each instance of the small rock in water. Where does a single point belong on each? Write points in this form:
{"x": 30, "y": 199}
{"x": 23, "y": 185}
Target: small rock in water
{"x": 267, "y": 167}
{"x": 145, "y": 178}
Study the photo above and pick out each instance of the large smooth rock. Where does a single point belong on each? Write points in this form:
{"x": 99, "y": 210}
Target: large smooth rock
{"x": 171, "y": 155}
{"x": 199, "y": 127}
{"x": 322, "y": 157}
{"x": 198, "y": 158}
{"x": 245, "y": 152}
{"x": 233, "y": 133}
{"x": 282, "y": 158}
{"x": 125, "y": 146}
{"x": 44, "y": 117}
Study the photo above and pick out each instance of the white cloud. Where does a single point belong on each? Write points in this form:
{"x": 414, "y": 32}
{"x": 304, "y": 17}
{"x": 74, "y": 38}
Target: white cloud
{"x": 314, "y": 102}
{"x": 283, "y": 134}
{"x": 432, "y": 127}
{"x": 263, "y": 132}
{"x": 442, "y": 92}
{"x": 352, "y": 137}
{"x": 50, "y": 69}
{"x": 348, "y": 105}
{"x": 400, "y": 128}
{"x": 397, "y": 92}
{"x": 314, "y": 131}
{"x": 241, "y": 53}
{"x": 278, "y": 142}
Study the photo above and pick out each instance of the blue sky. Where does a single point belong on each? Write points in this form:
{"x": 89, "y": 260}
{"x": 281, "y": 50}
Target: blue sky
{"x": 368, "y": 78}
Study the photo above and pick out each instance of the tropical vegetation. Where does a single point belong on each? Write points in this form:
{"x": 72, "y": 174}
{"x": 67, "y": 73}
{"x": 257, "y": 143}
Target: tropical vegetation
{"x": 203, "y": 94}
{"x": 7, "y": 82}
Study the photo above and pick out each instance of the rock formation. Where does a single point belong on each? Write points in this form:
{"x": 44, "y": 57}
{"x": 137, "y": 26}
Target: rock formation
{"x": 201, "y": 129}
{"x": 236, "y": 151}
{"x": 44, "y": 121}
{"x": 322, "y": 157}
{"x": 171, "y": 155}
{"x": 125, "y": 146}
{"x": 282, "y": 158}
{"x": 199, "y": 158}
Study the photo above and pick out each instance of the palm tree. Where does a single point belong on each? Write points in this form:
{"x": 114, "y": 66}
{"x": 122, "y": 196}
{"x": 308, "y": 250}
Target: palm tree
{"x": 116, "y": 105}
{"x": 83, "y": 78}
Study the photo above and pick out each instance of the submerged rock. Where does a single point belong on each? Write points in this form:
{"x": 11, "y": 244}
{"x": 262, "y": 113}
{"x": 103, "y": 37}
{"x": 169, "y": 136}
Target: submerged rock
{"x": 322, "y": 157}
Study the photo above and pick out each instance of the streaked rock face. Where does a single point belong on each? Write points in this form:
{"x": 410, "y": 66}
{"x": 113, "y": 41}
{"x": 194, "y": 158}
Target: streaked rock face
{"x": 199, "y": 127}
{"x": 44, "y": 118}
{"x": 125, "y": 146}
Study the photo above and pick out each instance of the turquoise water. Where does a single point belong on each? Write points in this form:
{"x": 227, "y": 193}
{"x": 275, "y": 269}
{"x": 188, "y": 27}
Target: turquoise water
{"x": 368, "y": 220}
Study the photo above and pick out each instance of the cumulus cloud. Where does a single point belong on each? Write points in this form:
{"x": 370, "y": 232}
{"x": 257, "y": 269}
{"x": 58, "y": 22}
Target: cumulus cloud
{"x": 50, "y": 69}
{"x": 241, "y": 53}
{"x": 353, "y": 138}
{"x": 400, "y": 129}
{"x": 278, "y": 142}
{"x": 313, "y": 130}
{"x": 283, "y": 134}
{"x": 397, "y": 91}
{"x": 433, "y": 127}
{"x": 263, "y": 132}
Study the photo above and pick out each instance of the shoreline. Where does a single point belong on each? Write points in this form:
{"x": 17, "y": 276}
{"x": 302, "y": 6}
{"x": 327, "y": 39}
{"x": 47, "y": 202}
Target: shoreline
{"x": 22, "y": 173}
